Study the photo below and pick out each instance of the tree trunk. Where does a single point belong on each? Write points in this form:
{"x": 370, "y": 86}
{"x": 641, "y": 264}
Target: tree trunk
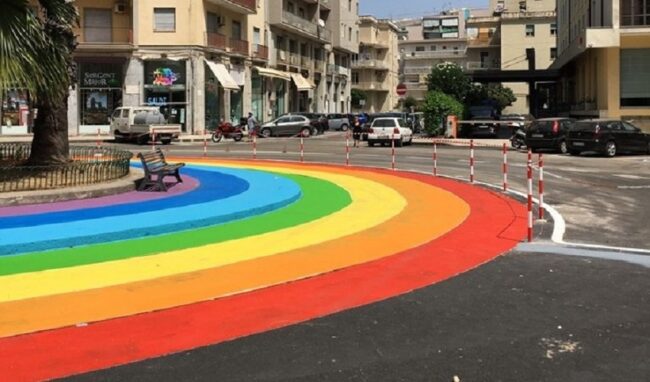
{"x": 50, "y": 144}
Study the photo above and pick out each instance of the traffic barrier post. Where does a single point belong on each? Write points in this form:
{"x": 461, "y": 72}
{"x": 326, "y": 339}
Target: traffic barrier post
{"x": 153, "y": 139}
{"x": 205, "y": 144}
{"x": 347, "y": 149}
{"x": 541, "y": 186}
{"x": 302, "y": 150}
{"x": 471, "y": 161}
{"x": 99, "y": 141}
{"x": 505, "y": 168}
{"x": 254, "y": 146}
{"x": 435, "y": 159}
{"x": 392, "y": 145}
{"x": 530, "y": 195}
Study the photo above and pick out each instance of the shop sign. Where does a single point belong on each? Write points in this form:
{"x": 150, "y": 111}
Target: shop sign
{"x": 164, "y": 77}
{"x": 93, "y": 75}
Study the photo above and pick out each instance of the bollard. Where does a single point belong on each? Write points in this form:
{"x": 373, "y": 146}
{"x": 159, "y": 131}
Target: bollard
{"x": 99, "y": 141}
{"x": 205, "y": 144}
{"x": 540, "y": 186}
{"x": 302, "y": 150}
{"x": 471, "y": 161}
{"x": 153, "y": 139}
{"x": 435, "y": 159}
{"x": 254, "y": 146}
{"x": 392, "y": 145}
{"x": 505, "y": 167}
{"x": 347, "y": 149}
{"x": 530, "y": 195}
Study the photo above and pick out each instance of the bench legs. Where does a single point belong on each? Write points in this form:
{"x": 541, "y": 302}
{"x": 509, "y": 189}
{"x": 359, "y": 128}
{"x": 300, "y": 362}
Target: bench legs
{"x": 158, "y": 184}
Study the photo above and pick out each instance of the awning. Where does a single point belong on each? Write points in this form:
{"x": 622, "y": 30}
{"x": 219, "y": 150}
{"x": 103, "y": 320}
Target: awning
{"x": 266, "y": 72}
{"x": 311, "y": 83}
{"x": 224, "y": 78}
{"x": 301, "y": 82}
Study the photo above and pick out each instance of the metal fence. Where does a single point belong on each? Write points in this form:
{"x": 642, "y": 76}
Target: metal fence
{"x": 88, "y": 165}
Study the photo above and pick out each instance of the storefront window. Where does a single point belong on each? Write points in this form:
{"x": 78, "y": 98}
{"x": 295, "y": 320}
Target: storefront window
{"x": 257, "y": 103}
{"x": 15, "y": 108}
{"x": 635, "y": 77}
{"x": 165, "y": 87}
{"x": 279, "y": 97}
{"x": 212, "y": 101}
{"x": 100, "y": 91}
{"x": 236, "y": 106}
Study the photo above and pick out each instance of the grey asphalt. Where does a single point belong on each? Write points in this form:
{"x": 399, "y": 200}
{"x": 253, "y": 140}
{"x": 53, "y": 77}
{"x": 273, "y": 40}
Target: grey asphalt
{"x": 544, "y": 313}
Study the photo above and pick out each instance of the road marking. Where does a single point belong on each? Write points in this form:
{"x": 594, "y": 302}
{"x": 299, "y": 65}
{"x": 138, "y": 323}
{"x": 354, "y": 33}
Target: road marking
{"x": 634, "y": 187}
{"x": 634, "y": 177}
{"x": 643, "y": 260}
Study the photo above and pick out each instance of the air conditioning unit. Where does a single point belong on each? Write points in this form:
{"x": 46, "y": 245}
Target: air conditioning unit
{"x": 282, "y": 55}
{"x": 119, "y": 8}
{"x": 221, "y": 21}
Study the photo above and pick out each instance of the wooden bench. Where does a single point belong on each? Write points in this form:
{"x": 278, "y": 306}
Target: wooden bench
{"x": 154, "y": 163}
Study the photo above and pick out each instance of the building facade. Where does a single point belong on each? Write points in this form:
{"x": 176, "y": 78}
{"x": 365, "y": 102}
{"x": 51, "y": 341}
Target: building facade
{"x": 204, "y": 61}
{"x": 604, "y": 58}
{"x": 375, "y": 70}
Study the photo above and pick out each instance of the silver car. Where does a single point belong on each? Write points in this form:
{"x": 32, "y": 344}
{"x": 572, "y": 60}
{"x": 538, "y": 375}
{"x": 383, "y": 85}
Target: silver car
{"x": 291, "y": 125}
{"x": 338, "y": 122}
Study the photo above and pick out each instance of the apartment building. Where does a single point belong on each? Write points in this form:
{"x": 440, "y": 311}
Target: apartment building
{"x": 604, "y": 58}
{"x": 375, "y": 70}
{"x": 204, "y": 61}
{"x": 427, "y": 42}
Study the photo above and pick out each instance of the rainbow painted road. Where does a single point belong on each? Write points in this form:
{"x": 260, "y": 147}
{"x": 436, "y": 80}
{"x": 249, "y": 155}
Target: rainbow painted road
{"x": 239, "y": 248}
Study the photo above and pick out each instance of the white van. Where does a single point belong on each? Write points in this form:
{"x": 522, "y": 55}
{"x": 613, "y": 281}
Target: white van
{"x": 142, "y": 123}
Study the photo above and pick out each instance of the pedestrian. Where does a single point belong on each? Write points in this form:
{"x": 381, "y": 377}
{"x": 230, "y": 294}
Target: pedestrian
{"x": 356, "y": 132}
{"x": 251, "y": 123}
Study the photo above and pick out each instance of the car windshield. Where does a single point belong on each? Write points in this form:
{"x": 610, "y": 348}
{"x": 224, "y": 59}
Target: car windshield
{"x": 384, "y": 123}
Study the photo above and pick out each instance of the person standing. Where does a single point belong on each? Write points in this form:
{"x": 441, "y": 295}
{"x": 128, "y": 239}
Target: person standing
{"x": 251, "y": 122}
{"x": 356, "y": 132}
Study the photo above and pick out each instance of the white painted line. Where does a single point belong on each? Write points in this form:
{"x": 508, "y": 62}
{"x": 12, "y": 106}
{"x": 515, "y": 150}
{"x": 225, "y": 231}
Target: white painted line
{"x": 633, "y": 187}
{"x": 626, "y": 176}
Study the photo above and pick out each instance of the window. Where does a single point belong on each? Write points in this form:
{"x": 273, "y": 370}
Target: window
{"x": 553, "y": 53}
{"x": 433, "y": 48}
{"x": 419, "y": 49}
{"x": 349, "y": 5}
{"x": 553, "y": 29}
{"x": 290, "y": 7}
{"x": 635, "y": 12}
{"x": 256, "y": 36}
{"x": 522, "y": 6}
{"x": 213, "y": 22}
{"x": 635, "y": 77}
{"x": 164, "y": 19}
{"x": 349, "y": 34}
{"x": 530, "y": 30}
{"x": 97, "y": 25}
{"x": 236, "y": 30}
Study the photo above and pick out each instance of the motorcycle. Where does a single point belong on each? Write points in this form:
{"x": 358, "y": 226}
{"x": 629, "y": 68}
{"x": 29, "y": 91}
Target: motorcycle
{"x": 227, "y": 130}
{"x": 518, "y": 139}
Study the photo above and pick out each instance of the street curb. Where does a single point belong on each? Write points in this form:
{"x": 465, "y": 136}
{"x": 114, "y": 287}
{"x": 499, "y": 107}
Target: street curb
{"x": 119, "y": 186}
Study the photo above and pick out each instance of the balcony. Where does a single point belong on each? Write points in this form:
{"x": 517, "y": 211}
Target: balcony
{"x": 381, "y": 86}
{"x": 282, "y": 57}
{"x": 239, "y": 47}
{"x": 325, "y": 4}
{"x": 324, "y": 34}
{"x": 260, "y": 52}
{"x": 331, "y": 69}
{"x": 485, "y": 41}
{"x": 246, "y": 7}
{"x": 342, "y": 70}
{"x": 296, "y": 24}
{"x": 319, "y": 66}
{"x": 449, "y": 53}
{"x": 217, "y": 40}
{"x": 478, "y": 65}
{"x": 369, "y": 64}
{"x": 305, "y": 62}
{"x": 294, "y": 59}
{"x": 93, "y": 38}
{"x": 417, "y": 69}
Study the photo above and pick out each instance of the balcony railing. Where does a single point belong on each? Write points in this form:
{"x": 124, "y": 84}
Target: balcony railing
{"x": 104, "y": 36}
{"x": 417, "y": 70}
{"x": 320, "y": 66}
{"x": 369, "y": 64}
{"x": 325, "y": 3}
{"x": 324, "y": 34}
{"x": 261, "y": 51}
{"x": 305, "y": 62}
{"x": 299, "y": 23}
{"x": 331, "y": 69}
{"x": 342, "y": 70}
{"x": 217, "y": 40}
{"x": 485, "y": 40}
{"x": 449, "y": 53}
{"x": 372, "y": 85}
{"x": 478, "y": 65}
{"x": 282, "y": 56}
{"x": 294, "y": 59}
{"x": 239, "y": 46}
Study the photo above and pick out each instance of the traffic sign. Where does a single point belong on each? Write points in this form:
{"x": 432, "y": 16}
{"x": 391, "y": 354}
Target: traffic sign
{"x": 401, "y": 89}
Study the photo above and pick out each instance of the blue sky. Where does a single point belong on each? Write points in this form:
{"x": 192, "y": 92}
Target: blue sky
{"x": 413, "y": 8}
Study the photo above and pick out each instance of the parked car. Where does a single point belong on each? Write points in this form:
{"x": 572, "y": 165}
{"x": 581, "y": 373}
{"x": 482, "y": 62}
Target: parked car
{"x": 549, "y": 133}
{"x": 287, "y": 125}
{"x": 142, "y": 123}
{"x": 338, "y": 122}
{"x": 608, "y": 137}
{"x": 384, "y": 130}
{"x": 318, "y": 121}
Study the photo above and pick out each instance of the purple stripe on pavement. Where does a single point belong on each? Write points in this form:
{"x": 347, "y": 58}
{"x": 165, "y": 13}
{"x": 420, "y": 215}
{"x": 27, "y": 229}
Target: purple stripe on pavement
{"x": 189, "y": 184}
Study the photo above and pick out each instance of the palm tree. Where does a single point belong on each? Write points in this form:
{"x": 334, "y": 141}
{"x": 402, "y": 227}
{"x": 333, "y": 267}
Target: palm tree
{"x": 36, "y": 44}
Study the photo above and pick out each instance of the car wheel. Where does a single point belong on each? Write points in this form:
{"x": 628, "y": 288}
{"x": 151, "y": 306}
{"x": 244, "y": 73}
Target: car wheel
{"x": 371, "y": 143}
{"x": 217, "y": 136}
{"x": 305, "y": 133}
{"x": 574, "y": 152}
{"x": 563, "y": 147}
{"x": 344, "y": 127}
{"x": 610, "y": 149}
{"x": 142, "y": 139}
{"x": 314, "y": 131}
{"x": 265, "y": 133}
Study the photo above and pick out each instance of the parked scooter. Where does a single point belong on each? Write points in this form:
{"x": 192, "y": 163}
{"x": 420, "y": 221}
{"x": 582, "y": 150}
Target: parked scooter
{"x": 227, "y": 130}
{"x": 518, "y": 139}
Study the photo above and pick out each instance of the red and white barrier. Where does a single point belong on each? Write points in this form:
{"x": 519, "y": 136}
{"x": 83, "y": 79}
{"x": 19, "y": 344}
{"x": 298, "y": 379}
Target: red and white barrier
{"x": 347, "y": 149}
{"x": 505, "y": 168}
{"x": 302, "y": 150}
{"x": 99, "y": 140}
{"x": 530, "y": 195}
{"x": 392, "y": 146}
{"x": 254, "y": 146}
{"x": 540, "y": 186}
{"x": 471, "y": 161}
{"x": 205, "y": 143}
{"x": 153, "y": 139}
{"x": 435, "y": 159}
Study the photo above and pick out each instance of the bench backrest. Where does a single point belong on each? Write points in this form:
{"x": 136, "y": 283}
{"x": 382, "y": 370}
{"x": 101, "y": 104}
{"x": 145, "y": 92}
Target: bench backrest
{"x": 152, "y": 160}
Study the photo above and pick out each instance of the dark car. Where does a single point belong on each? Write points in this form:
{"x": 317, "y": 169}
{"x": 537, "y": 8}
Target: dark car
{"x": 608, "y": 137}
{"x": 549, "y": 133}
{"x": 318, "y": 121}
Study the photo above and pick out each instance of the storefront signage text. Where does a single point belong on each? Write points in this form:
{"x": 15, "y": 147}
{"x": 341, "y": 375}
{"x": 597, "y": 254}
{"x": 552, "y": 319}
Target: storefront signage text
{"x": 164, "y": 77}
{"x": 99, "y": 79}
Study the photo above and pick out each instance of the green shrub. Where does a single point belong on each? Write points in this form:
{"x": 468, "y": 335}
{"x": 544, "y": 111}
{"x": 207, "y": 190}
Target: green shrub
{"x": 437, "y": 106}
